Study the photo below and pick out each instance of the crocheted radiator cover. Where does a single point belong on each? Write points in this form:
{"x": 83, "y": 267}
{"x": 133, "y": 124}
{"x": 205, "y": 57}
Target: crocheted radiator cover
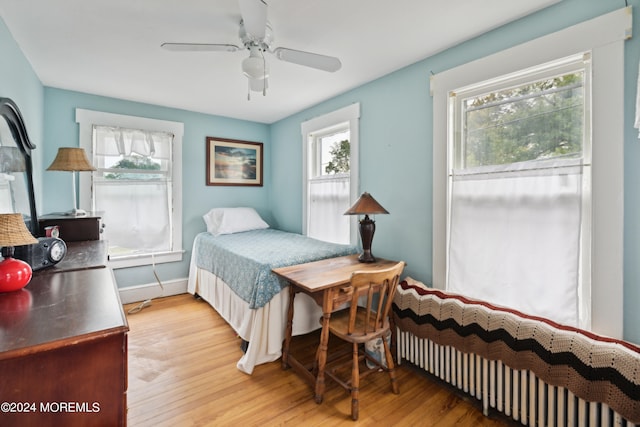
{"x": 593, "y": 367}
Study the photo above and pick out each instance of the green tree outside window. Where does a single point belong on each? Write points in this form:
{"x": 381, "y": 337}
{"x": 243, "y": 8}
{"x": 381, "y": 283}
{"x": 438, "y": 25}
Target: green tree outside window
{"x": 340, "y": 153}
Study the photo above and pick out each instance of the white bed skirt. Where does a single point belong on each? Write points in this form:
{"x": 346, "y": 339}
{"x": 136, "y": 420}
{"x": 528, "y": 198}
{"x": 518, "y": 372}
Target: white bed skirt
{"x": 264, "y": 327}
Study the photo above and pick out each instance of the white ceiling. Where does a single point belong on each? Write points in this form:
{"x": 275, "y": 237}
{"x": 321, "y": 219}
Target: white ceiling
{"x": 112, "y": 48}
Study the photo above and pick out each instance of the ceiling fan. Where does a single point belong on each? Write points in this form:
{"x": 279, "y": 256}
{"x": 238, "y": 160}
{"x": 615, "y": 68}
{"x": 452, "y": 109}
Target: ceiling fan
{"x": 256, "y": 36}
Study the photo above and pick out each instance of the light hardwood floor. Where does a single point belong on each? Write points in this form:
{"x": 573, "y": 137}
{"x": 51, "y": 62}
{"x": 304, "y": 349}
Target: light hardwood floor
{"x": 182, "y": 372}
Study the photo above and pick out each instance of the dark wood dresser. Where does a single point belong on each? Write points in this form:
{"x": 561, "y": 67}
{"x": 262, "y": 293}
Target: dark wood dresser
{"x": 63, "y": 345}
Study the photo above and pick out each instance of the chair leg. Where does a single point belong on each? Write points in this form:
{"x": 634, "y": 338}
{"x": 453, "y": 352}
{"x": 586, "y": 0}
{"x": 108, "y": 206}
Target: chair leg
{"x": 390, "y": 367}
{"x": 355, "y": 383}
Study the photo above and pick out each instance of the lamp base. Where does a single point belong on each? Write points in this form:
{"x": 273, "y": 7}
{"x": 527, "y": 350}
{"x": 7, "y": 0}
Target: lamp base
{"x": 366, "y": 257}
{"x": 15, "y": 274}
{"x": 367, "y": 229}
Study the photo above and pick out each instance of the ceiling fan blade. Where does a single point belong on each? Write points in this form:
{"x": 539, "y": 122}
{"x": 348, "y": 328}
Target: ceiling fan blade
{"x": 199, "y": 47}
{"x": 254, "y": 17}
{"x": 308, "y": 59}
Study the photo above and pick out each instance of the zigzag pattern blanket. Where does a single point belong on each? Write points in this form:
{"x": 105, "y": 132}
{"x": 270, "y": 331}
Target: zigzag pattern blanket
{"x": 593, "y": 367}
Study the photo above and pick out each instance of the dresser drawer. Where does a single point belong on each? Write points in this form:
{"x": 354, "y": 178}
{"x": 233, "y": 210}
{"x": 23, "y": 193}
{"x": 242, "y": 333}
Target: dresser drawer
{"x": 73, "y": 229}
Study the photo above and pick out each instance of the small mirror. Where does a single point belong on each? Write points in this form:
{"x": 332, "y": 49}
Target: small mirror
{"x": 16, "y": 181}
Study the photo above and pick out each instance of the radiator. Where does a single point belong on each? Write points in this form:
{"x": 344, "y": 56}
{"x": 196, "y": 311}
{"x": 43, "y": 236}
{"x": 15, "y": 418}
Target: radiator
{"x": 518, "y": 394}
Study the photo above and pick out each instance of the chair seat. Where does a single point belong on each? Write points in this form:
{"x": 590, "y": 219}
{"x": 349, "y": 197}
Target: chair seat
{"x": 339, "y": 323}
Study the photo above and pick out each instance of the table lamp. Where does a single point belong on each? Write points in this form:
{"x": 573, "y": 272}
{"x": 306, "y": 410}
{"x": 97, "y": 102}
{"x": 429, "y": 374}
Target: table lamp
{"x": 72, "y": 160}
{"x": 366, "y": 205}
{"x": 14, "y": 273}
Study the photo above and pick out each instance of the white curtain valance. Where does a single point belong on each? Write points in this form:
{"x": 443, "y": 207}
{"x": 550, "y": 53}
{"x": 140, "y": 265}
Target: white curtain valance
{"x": 116, "y": 141}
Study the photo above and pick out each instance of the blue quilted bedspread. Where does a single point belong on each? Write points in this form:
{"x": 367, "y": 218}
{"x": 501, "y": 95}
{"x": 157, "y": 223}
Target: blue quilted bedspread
{"x": 244, "y": 260}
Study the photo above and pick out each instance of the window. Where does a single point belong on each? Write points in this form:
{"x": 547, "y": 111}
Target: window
{"x": 136, "y": 186}
{"x": 519, "y": 181}
{"x": 602, "y": 39}
{"x": 329, "y": 184}
{"x": 330, "y": 174}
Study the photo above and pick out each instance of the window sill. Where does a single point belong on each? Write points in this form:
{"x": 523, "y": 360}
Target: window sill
{"x": 144, "y": 259}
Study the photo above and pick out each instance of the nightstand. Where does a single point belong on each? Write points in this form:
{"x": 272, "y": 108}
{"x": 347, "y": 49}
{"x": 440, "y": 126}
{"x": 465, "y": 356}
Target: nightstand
{"x": 74, "y": 228}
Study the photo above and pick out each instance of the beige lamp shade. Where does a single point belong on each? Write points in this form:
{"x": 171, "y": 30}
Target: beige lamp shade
{"x": 13, "y": 231}
{"x": 71, "y": 159}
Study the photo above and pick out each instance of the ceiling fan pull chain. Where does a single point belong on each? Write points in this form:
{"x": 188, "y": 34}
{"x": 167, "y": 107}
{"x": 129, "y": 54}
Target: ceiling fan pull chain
{"x": 264, "y": 74}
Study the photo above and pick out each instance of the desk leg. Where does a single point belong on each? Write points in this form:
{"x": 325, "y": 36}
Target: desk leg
{"x": 289, "y": 330}
{"x": 322, "y": 348}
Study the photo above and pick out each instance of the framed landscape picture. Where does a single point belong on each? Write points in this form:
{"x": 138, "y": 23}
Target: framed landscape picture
{"x": 233, "y": 162}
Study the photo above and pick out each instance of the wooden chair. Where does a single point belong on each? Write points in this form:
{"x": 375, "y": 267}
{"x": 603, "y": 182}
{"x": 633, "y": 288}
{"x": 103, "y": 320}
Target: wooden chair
{"x": 357, "y": 325}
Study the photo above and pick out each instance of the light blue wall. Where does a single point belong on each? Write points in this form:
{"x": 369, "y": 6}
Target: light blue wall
{"x": 19, "y": 82}
{"x": 396, "y": 147}
{"x": 395, "y": 164}
{"x": 61, "y": 129}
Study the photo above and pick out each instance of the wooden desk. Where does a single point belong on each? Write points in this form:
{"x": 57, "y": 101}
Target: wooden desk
{"x": 325, "y": 282}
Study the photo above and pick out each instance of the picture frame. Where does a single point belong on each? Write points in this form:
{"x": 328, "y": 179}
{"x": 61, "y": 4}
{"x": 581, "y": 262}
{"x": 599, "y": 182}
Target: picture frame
{"x": 234, "y": 162}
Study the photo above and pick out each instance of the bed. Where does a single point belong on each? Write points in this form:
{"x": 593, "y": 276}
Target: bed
{"x": 231, "y": 270}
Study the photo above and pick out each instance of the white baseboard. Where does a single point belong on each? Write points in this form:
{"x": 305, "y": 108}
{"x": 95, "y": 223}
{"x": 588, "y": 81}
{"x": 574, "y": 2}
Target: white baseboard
{"x": 152, "y": 290}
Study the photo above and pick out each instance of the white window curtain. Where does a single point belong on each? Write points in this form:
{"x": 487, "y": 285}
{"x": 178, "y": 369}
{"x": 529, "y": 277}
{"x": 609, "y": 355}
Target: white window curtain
{"x": 515, "y": 237}
{"x": 137, "y": 215}
{"x": 137, "y": 205}
{"x": 329, "y": 198}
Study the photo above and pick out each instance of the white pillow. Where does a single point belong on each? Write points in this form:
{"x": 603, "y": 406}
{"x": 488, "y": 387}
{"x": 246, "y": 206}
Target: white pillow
{"x": 233, "y": 220}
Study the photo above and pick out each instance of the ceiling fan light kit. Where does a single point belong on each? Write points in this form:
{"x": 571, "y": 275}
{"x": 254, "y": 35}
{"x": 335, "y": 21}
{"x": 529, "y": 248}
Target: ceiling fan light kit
{"x": 255, "y": 66}
{"x": 256, "y": 36}
{"x": 256, "y": 70}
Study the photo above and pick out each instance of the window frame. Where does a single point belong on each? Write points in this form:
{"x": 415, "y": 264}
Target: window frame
{"x": 579, "y": 63}
{"x": 348, "y": 116}
{"x": 86, "y": 119}
{"x": 316, "y": 144}
{"x": 574, "y": 63}
{"x": 604, "y": 38}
